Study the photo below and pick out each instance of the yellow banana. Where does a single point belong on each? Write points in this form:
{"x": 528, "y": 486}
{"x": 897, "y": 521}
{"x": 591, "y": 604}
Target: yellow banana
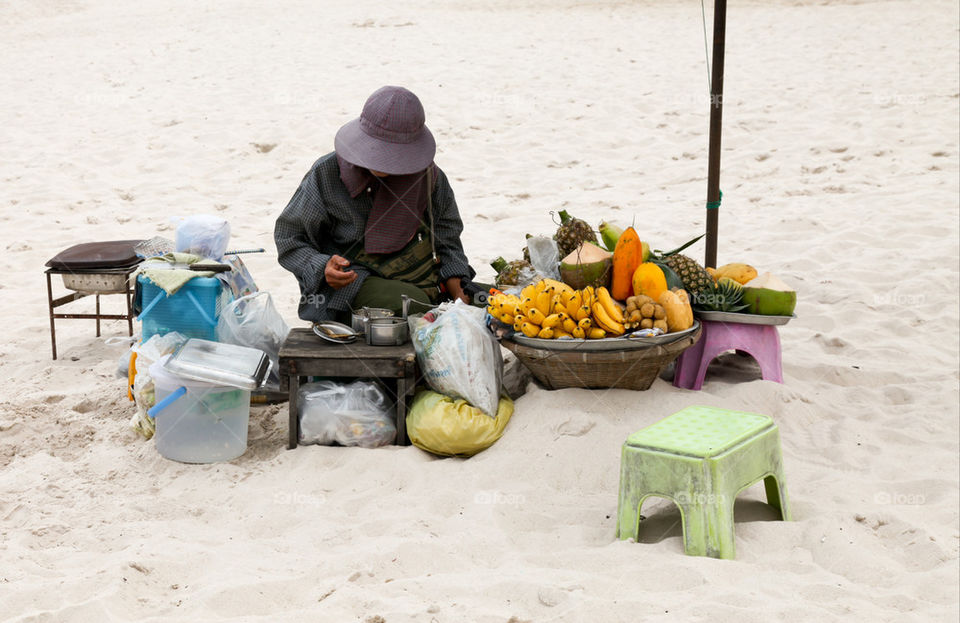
{"x": 545, "y": 334}
{"x": 558, "y": 334}
{"x": 583, "y": 312}
{"x": 518, "y": 321}
{"x": 565, "y": 295}
{"x": 535, "y": 316}
{"x": 578, "y": 333}
{"x": 585, "y": 323}
{"x": 551, "y": 321}
{"x": 589, "y": 296}
{"x": 493, "y": 311}
{"x": 613, "y": 310}
{"x": 528, "y": 292}
{"x": 558, "y": 286}
{"x": 596, "y": 333}
{"x": 526, "y": 305}
{"x": 605, "y": 322}
{"x": 509, "y": 309}
{"x": 507, "y": 319}
{"x": 558, "y": 307}
{"x": 530, "y": 330}
{"x": 568, "y": 323}
{"x": 540, "y": 286}
{"x": 544, "y": 301}
{"x": 573, "y": 304}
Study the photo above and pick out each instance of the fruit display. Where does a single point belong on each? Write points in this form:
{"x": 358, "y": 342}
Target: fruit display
{"x": 587, "y": 265}
{"x": 770, "y": 296}
{"x": 571, "y": 233}
{"x": 617, "y": 286}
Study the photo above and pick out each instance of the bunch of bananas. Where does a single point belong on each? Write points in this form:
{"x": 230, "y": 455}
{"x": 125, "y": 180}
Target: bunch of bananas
{"x": 551, "y": 309}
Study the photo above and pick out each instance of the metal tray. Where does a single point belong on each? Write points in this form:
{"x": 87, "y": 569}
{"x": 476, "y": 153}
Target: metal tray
{"x": 219, "y": 364}
{"x": 717, "y": 316}
{"x": 335, "y": 328}
{"x": 606, "y": 344}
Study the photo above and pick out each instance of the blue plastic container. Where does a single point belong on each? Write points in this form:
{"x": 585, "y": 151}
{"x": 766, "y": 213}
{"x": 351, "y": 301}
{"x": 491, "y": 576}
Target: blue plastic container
{"x": 193, "y": 310}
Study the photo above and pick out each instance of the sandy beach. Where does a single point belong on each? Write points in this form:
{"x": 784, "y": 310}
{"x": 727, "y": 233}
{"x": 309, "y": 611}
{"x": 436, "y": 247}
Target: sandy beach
{"x": 840, "y": 174}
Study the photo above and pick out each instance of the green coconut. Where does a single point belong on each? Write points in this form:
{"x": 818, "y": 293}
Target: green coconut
{"x": 769, "y": 296}
{"x": 587, "y": 265}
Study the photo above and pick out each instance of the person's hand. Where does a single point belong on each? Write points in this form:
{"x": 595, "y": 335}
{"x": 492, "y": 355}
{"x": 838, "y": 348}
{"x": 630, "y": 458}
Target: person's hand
{"x": 336, "y": 275}
{"x": 455, "y": 290}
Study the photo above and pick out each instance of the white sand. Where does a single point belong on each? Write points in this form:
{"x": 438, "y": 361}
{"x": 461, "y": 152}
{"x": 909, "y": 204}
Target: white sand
{"x": 840, "y": 170}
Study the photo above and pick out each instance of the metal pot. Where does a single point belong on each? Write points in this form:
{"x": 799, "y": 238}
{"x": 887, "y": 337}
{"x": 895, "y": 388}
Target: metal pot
{"x": 386, "y": 331}
{"x": 359, "y": 319}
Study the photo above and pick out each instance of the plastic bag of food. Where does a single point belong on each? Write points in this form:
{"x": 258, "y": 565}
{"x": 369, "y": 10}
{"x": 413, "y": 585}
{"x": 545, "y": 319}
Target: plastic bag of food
{"x": 204, "y": 235}
{"x": 253, "y": 321}
{"x": 144, "y": 395}
{"x": 442, "y": 425}
{"x": 354, "y": 414}
{"x": 458, "y": 355}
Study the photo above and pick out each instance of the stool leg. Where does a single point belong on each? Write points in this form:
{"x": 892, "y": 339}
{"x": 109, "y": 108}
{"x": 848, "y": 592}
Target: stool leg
{"x": 630, "y": 498}
{"x": 777, "y": 495}
{"x": 97, "y": 313}
{"x": 293, "y": 425}
{"x": 53, "y": 328}
{"x": 129, "y": 312}
{"x": 708, "y": 526}
{"x": 770, "y": 359}
{"x": 687, "y": 369}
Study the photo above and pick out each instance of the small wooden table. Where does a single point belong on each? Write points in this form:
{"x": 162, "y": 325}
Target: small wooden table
{"x": 305, "y": 354}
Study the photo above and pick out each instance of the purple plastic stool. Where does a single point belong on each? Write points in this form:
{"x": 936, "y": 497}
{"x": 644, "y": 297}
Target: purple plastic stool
{"x": 762, "y": 342}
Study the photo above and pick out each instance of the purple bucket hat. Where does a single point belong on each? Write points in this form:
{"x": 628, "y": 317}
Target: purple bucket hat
{"x": 389, "y": 136}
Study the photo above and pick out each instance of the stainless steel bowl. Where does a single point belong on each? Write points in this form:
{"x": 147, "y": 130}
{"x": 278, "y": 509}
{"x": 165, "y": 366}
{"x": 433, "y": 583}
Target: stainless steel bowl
{"x": 386, "y": 331}
{"x": 359, "y": 318}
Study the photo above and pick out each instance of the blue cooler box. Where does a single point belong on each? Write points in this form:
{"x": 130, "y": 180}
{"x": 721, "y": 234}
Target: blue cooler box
{"x": 193, "y": 310}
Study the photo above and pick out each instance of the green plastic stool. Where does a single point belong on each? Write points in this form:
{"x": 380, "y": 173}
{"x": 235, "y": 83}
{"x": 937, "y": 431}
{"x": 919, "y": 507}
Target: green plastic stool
{"x": 701, "y": 458}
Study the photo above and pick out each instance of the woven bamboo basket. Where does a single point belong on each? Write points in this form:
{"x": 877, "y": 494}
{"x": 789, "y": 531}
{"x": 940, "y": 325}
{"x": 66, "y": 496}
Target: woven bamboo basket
{"x": 635, "y": 368}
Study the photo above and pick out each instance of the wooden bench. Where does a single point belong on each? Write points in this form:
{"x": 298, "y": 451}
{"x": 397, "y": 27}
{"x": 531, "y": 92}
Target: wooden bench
{"x": 304, "y": 354}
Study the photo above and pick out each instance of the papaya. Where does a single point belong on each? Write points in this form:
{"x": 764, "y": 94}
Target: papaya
{"x": 649, "y": 279}
{"x": 627, "y": 256}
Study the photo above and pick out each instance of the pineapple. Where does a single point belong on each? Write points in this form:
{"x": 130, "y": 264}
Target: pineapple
{"x": 725, "y": 295}
{"x": 696, "y": 280}
{"x": 512, "y": 273}
{"x": 571, "y": 233}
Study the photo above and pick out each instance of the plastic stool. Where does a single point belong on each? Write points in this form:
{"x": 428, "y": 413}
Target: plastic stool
{"x": 701, "y": 458}
{"x": 762, "y": 342}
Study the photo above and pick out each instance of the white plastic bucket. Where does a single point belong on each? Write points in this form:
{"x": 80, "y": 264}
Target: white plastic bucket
{"x": 207, "y": 424}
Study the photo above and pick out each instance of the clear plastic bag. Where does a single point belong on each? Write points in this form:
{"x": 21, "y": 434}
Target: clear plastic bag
{"x": 204, "y": 235}
{"x": 354, "y": 414}
{"x": 144, "y": 395}
{"x": 253, "y": 321}
{"x": 544, "y": 256}
{"x": 458, "y": 355}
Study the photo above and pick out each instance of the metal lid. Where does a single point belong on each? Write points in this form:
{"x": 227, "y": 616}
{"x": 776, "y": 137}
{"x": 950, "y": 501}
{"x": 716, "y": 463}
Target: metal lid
{"x": 219, "y": 364}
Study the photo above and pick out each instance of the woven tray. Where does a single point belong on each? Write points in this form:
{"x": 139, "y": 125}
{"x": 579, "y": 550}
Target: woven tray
{"x": 624, "y": 369}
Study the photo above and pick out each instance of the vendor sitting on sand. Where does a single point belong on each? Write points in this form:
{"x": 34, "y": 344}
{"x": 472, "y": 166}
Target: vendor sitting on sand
{"x": 376, "y": 219}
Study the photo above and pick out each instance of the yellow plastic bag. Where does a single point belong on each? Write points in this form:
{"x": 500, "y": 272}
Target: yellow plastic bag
{"x": 442, "y": 425}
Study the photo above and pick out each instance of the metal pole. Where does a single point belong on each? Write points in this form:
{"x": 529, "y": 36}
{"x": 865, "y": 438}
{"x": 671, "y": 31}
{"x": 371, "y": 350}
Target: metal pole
{"x": 716, "y": 115}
